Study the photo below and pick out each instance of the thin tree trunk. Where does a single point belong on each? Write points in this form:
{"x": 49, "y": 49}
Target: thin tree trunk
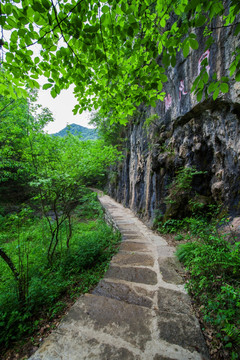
{"x": 70, "y": 230}
{"x": 16, "y": 275}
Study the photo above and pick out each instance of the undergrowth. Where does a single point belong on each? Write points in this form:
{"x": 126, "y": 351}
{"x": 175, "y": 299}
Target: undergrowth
{"x": 74, "y": 270}
{"x": 212, "y": 260}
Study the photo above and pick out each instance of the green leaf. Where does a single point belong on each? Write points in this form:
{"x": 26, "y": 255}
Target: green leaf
{"x": 2, "y": 20}
{"x": 47, "y": 86}
{"x": 106, "y": 19}
{"x": 224, "y": 87}
{"x": 186, "y": 49}
{"x": 214, "y": 76}
{"x": 9, "y": 57}
{"x": 205, "y": 77}
{"x": 173, "y": 60}
{"x": 153, "y": 103}
{"x": 215, "y": 94}
{"x": 163, "y": 77}
{"x": 53, "y": 93}
{"x": 237, "y": 30}
{"x": 163, "y": 22}
{"x": 57, "y": 89}
{"x": 160, "y": 86}
{"x": 212, "y": 87}
{"x": 200, "y": 21}
{"x": 130, "y": 31}
{"x": 38, "y": 7}
{"x": 199, "y": 95}
{"x": 46, "y": 4}
{"x": 8, "y": 9}
{"x": 193, "y": 43}
{"x": 224, "y": 79}
{"x": 105, "y": 9}
{"x": 237, "y": 78}
{"x": 36, "y": 60}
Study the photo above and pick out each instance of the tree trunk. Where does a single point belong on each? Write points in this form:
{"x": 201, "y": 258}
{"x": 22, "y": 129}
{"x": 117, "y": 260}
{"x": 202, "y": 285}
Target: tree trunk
{"x": 17, "y": 277}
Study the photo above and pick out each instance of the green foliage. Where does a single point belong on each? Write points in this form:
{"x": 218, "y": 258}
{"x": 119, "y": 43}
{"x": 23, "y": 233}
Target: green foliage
{"x": 17, "y": 118}
{"x": 81, "y": 131}
{"x": 111, "y": 133}
{"x": 53, "y": 170}
{"x": 151, "y": 120}
{"x": 108, "y": 51}
{"x": 74, "y": 270}
{"x": 45, "y": 238}
{"x": 213, "y": 264}
{"x": 171, "y": 226}
{"x": 183, "y": 179}
{"x": 183, "y": 200}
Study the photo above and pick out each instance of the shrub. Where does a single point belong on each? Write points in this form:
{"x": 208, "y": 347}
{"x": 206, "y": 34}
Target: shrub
{"x": 73, "y": 271}
{"x": 213, "y": 264}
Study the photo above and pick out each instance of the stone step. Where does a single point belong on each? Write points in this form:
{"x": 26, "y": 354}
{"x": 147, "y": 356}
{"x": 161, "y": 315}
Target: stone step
{"x": 124, "y": 292}
{"x": 132, "y": 274}
{"x": 139, "y": 311}
{"x": 133, "y": 246}
{"x": 97, "y": 327}
{"x": 133, "y": 259}
{"x": 170, "y": 270}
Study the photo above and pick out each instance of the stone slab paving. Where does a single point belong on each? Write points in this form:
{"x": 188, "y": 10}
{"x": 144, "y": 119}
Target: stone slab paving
{"x": 139, "y": 311}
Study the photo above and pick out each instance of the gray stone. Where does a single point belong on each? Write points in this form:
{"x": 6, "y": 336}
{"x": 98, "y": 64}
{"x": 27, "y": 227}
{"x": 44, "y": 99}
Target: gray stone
{"x": 110, "y": 316}
{"x": 133, "y": 259}
{"x": 159, "y": 357}
{"x": 123, "y": 292}
{"x": 173, "y": 301}
{"x": 183, "y": 330}
{"x": 137, "y": 275}
{"x": 170, "y": 269}
{"x": 133, "y": 246}
{"x": 109, "y": 352}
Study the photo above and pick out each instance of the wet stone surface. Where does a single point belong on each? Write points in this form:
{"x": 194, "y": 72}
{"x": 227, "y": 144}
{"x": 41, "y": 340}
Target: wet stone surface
{"x": 134, "y": 246}
{"x": 137, "y": 275}
{"x": 183, "y": 330}
{"x": 159, "y": 357}
{"x": 113, "y": 353}
{"x": 173, "y": 301}
{"x": 133, "y": 259}
{"x": 123, "y": 292}
{"x": 134, "y": 238}
{"x": 126, "y": 321}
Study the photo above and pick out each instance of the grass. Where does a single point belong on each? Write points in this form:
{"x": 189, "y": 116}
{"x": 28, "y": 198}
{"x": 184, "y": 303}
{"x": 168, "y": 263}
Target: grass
{"x": 74, "y": 270}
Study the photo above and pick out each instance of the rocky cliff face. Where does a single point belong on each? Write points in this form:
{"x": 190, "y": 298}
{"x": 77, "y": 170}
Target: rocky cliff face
{"x": 185, "y": 133}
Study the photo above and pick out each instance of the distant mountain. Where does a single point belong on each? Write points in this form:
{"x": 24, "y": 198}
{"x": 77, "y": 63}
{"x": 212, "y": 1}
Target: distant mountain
{"x": 86, "y": 134}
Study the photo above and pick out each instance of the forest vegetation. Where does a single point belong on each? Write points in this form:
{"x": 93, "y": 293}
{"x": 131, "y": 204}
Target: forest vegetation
{"x": 84, "y": 133}
{"x": 53, "y": 241}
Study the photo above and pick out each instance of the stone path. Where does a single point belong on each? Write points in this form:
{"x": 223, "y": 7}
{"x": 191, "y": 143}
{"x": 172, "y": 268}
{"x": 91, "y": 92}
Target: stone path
{"x": 138, "y": 311}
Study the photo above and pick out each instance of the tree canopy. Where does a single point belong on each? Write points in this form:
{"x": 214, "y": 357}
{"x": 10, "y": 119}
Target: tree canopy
{"x": 114, "y": 52}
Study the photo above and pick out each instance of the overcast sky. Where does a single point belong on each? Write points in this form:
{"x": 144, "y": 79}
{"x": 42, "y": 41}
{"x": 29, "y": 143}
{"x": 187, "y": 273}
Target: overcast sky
{"x": 62, "y": 107}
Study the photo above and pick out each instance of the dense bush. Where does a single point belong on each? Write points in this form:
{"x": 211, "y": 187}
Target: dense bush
{"x": 73, "y": 271}
{"x": 213, "y": 263}
{"x": 211, "y": 257}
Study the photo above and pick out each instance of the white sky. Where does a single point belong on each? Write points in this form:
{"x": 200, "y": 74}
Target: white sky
{"x": 62, "y": 107}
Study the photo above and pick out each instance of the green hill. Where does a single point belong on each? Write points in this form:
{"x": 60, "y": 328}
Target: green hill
{"x": 86, "y": 133}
